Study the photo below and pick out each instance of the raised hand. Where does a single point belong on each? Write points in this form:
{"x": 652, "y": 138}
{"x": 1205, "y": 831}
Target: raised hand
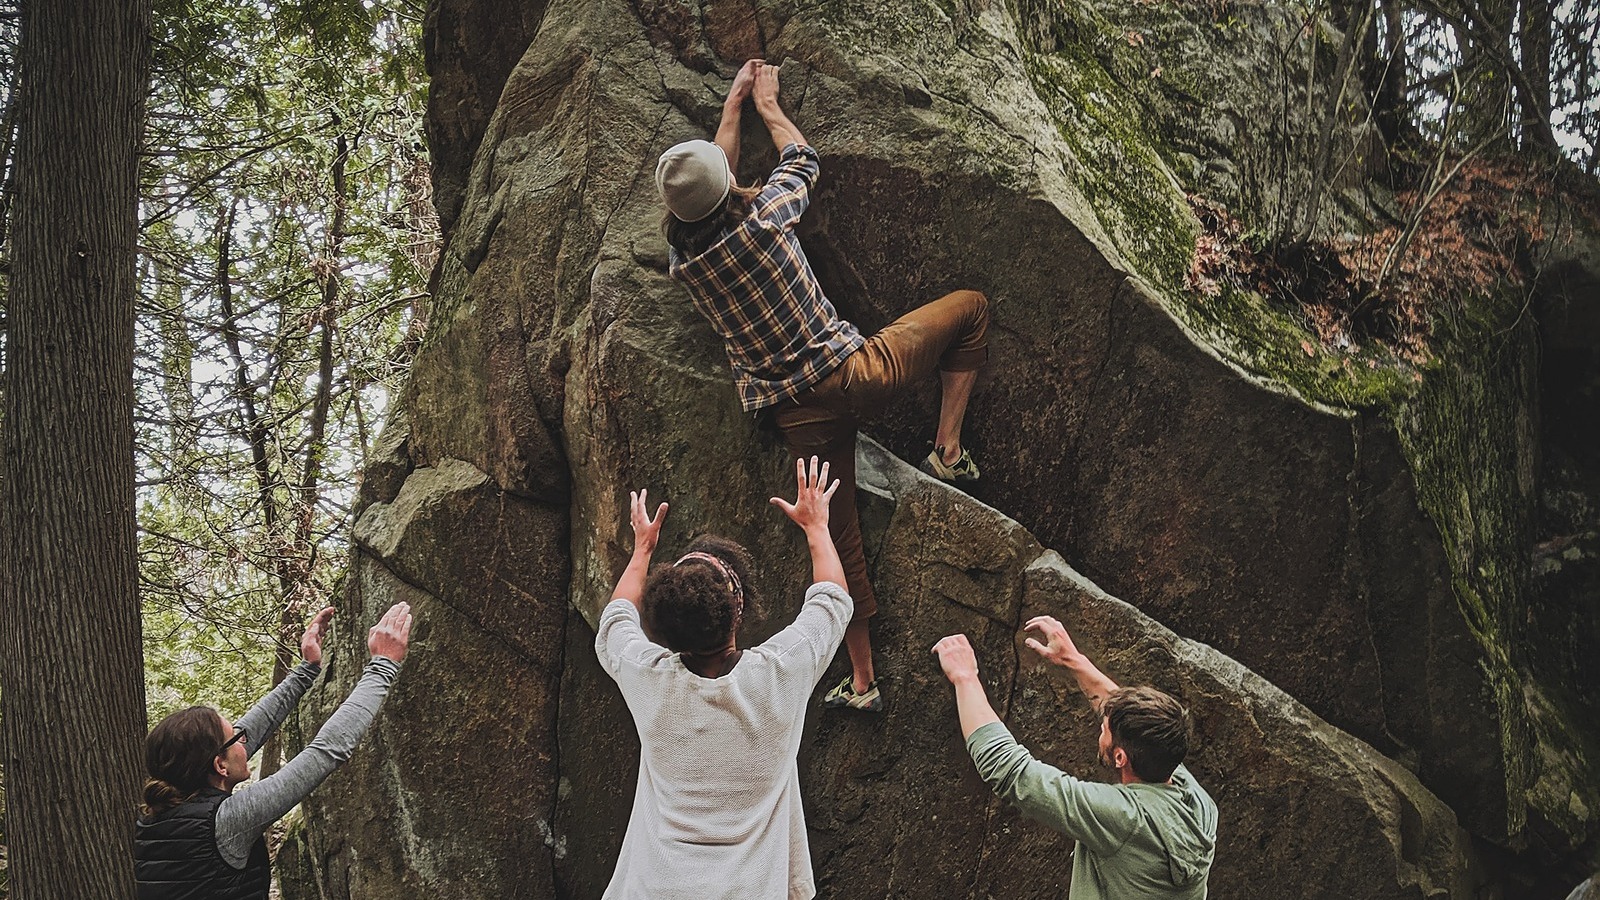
{"x": 810, "y": 508}
{"x": 744, "y": 81}
{"x": 765, "y": 89}
{"x": 311, "y": 638}
{"x": 1057, "y": 646}
{"x": 646, "y": 531}
{"x": 956, "y": 658}
{"x": 392, "y": 635}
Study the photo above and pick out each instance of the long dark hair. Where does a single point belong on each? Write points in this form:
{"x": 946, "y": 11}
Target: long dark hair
{"x": 178, "y": 755}
{"x": 690, "y": 607}
{"x": 695, "y": 238}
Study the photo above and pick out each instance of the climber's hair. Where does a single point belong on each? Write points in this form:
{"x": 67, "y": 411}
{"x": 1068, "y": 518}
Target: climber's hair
{"x": 1151, "y": 727}
{"x": 689, "y": 606}
{"x": 178, "y": 754}
{"x": 695, "y": 238}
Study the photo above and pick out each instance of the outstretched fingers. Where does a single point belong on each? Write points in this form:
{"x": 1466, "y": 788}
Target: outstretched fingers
{"x": 1053, "y": 642}
{"x": 810, "y": 506}
{"x": 319, "y": 623}
{"x": 813, "y": 480}
{"x": 639, "y": 512}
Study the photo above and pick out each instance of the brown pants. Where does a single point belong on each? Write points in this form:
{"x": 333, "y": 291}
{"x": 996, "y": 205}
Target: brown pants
{"x": 947, "y": 335}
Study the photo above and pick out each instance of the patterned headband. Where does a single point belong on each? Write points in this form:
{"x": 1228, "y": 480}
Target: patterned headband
{"x": 725, "y": 569}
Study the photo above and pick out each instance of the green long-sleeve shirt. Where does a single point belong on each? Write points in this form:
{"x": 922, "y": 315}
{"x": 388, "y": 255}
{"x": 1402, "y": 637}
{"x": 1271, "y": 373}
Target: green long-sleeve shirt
{"x": 1138, "y": 840}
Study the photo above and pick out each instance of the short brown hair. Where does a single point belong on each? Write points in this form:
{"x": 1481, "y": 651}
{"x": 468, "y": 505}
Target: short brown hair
{"x": 1151, "y": 727}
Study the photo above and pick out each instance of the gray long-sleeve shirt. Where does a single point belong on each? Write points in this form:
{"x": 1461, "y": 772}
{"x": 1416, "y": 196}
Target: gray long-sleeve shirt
{"x": 245, "y": 816}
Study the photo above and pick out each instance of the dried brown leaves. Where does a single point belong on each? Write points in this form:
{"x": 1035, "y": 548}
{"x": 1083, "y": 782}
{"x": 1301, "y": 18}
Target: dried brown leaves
{"x": 1469, "y": 241}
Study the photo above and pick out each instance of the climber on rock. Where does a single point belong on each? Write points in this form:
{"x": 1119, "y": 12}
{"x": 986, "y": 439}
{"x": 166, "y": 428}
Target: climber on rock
{"x": 792, "y": 356}
{"x": 717, "y": 810}
{"x": 1152, "y": 835}
{"x": 198, "y": 839}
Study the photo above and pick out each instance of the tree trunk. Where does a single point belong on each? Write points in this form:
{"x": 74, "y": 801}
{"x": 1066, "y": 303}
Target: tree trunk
{"x": 1533, "y": 93}
{"x": 1484, "y": 36}
{"x": 256, "y": 428}
{"x": 70, "y": 655}
{"x": 1357, "y": 19}
{"x": 1388, "y": 81}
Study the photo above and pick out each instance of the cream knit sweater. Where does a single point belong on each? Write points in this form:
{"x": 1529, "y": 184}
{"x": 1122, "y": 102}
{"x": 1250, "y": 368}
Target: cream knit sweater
{"x": 717, "y": 812}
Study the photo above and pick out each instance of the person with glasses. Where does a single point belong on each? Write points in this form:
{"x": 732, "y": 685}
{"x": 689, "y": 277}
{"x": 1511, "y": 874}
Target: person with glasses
{"x": 198, "y": 840}
{"x": 717, "y": 810}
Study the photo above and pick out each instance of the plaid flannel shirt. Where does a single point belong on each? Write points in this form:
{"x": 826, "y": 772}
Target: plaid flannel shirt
{"x": 759, "y": 293}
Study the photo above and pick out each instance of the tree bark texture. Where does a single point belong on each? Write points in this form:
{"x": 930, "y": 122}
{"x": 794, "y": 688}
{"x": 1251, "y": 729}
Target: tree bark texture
{"x": 70, "y": 656}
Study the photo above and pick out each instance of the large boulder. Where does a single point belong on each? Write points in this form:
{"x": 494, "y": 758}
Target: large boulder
{"x": 1188, "y": 455}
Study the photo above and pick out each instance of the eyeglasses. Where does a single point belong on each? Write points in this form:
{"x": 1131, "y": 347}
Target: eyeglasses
{"x": 239, "y": 733}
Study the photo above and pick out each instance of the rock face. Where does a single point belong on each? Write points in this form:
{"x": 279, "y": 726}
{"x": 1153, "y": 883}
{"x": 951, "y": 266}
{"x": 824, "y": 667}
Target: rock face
{"x": 481, "y": 684}
{"x": 1353, "y": 706}
{"x": 896, "y": 809}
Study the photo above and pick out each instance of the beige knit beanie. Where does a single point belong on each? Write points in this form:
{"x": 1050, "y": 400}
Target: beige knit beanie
{"x": 693, "y": 179}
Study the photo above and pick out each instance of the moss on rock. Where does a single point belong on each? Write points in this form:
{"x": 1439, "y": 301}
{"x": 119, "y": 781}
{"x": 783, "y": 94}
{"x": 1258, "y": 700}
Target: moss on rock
{"x": 1074, "y": 63}
{"x": 1463, "y": 419}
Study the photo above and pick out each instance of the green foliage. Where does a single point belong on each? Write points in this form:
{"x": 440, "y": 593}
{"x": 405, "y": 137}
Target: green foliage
{"x": 286, "y": 213}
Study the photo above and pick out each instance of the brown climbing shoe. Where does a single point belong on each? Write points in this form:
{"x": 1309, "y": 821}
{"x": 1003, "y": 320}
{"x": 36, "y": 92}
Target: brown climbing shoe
{"x": 844, "y": 696}
{"x": 962, "y": 473}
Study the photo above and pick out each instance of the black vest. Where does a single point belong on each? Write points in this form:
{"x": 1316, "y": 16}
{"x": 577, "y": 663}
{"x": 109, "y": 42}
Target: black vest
{"x": 175, "y": 856}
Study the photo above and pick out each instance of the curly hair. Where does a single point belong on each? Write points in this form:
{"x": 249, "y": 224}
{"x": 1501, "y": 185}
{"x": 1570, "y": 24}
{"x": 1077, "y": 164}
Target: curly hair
{"x": 690, "y": 606}
{"x": 695, "y": 238}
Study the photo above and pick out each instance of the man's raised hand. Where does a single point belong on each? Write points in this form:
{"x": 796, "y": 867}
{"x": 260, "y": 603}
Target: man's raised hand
{"x": 1057, "y": 646}
{"x": 392, "y": 635}
{"x": 956, "y": 657}
{"x": 744, "y": 81}
{"x": 765, "y": 89}
{"x": 646, "y": 531}
{"x": 311, "y": 639}
{"x": 810, "y": 508}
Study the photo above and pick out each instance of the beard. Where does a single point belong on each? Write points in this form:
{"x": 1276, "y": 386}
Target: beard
{"x": 1105, "y": 758}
